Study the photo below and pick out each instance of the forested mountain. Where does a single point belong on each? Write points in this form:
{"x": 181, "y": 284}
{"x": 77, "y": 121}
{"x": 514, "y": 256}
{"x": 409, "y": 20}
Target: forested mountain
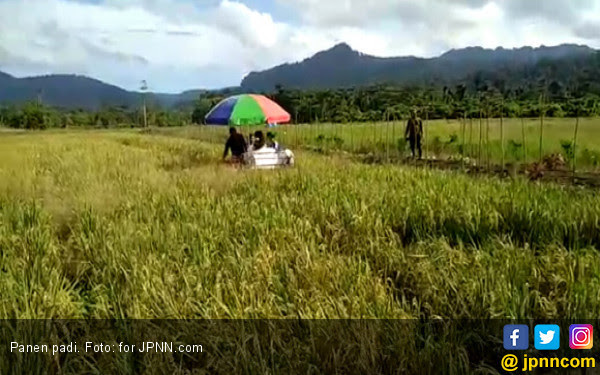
{"x": 80, "y": 92}
{"x": 342, "y": 67}
{"x": 557, "y": 87}
{"x": 5, "y": 78}
{"x": 64, "y": 91}
{"x": 562, "y": 70}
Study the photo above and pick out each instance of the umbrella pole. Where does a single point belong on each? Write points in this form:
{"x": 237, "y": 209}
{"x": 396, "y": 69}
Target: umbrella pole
{"x": 249, "y": 138}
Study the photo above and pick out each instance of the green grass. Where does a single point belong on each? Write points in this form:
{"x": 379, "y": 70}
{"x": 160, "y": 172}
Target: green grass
{"x": 443, "y": 139}
{"x": 103, "y": 224}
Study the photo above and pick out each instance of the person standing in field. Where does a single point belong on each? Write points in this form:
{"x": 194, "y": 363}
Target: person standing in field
{"x": 414, "y": 132}
{"x": 237, "y": 144}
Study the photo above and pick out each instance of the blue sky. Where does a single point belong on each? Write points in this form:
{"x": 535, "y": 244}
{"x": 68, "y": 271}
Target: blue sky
{"x": 183, "y": 44}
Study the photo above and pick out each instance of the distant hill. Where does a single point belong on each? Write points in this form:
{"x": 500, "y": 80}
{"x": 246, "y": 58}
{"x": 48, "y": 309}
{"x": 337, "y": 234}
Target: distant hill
{"x": 5, "y": 77}
{"x": 338, "y": 67}
{"x": 72, "y": 91}
{"x": 68, "y": 91}
{"x": 341, "y": 66}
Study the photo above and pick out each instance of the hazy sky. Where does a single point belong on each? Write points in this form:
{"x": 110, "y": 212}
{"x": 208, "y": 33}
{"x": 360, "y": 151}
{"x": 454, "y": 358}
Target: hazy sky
{"x": 182, "y": 44}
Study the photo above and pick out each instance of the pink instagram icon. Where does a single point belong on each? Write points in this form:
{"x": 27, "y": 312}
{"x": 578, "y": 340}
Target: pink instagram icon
{"x": 581, "y": 336}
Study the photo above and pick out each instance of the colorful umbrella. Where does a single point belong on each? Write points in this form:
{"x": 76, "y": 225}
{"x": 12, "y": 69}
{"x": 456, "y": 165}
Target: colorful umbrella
{"x": 247, "y": 110}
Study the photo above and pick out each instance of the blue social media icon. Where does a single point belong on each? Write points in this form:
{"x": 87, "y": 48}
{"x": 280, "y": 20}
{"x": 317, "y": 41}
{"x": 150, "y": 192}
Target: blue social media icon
{"x": 516, "y": 337}
{"x": 547, "y": 337}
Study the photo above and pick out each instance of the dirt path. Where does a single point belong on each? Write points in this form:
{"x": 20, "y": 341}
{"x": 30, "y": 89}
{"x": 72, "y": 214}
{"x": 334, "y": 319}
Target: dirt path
{"x": 534, "y": 172}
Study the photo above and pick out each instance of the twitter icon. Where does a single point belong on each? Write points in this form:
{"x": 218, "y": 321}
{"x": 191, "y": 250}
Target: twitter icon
{"x": 547, "y": 337}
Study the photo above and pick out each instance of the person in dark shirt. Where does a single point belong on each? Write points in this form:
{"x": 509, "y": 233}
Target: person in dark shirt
{"x": 259, "y": 140}
{"x": 414, "y": 132}
{"x": 237, "y": 144}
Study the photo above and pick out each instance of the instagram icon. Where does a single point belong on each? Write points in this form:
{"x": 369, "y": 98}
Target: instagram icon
{"x": 581, "y": 336}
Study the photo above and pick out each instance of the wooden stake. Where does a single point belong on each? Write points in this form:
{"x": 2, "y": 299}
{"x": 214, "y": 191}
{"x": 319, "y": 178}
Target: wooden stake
{"x": 541, "y": 126}
{"x": 426, "y": 134}
{"x": 352, "y": 136}
{"x": 144, "y": 88}
{"x": 377, "y": 137}
{"x": 462, "y": 149}
{"x": 374, "y": 145}
{"x": 336, "y": 126}
{"x": 487, "y": 136}
{"x": 524, "y": 140}
{"x": 502, "y": 132}
{"x": 387, "y": 136}
{"x": 575, "y": 144}
{"x": 296, "y": 130}
{"x": 471, "y": 152}
{"x": 480, "y": 138}
{"x": 394, "y": 142}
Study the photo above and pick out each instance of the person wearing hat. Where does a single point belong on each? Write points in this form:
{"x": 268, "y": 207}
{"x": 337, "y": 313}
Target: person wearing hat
{"x": 414, "y": 133}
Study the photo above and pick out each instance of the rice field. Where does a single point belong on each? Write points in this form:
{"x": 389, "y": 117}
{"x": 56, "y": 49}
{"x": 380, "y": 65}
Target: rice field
{"x": 130, "y": 224}
{"x": 481, "y": 141}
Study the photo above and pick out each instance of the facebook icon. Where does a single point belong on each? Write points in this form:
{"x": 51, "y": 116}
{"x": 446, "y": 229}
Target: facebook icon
{"x": 516, "y": 337}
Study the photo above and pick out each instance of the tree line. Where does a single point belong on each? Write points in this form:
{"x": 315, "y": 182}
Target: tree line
{"x": 381, "y": 103}
{"x": 568, "y": 87}
{"x": 35, "y": 115}
{"x": 369, "y": 104}
{"x": 561, "y": 88}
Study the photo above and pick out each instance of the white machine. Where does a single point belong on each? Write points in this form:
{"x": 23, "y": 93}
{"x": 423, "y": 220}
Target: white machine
{"x": 269, "y": 158}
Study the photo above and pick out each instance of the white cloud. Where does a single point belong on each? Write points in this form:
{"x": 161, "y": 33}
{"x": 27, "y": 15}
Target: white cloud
{"x": 428, "y": 27}
{"x": 181, "y": 44}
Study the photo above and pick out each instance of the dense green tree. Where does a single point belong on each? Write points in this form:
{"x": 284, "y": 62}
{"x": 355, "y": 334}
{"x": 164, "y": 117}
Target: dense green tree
{"x": 203, "y": 106}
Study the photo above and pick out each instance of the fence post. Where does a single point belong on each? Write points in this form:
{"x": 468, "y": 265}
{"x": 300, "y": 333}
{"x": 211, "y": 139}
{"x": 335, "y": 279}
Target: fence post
{"x": 426, "y": 140}
{"x": 575, "y": 145}
{"x": 376, "y": 137}
{"x": 387, "y": 135}
{"x": 502, "y": 131}
{"x": 336, "y": 131}
{"x": 542, "y": 114}
{"x": 480, "y": 139}
{"x": 471, "y": 152}
{"x": 462, "y": 149}
{"x": 487, "y": 136}
{"x": 315, "y": 130}
{"x": 524, "y": 140}
{"x": 351, "y": 136}
{"x": 296, "y": 130}
{"x": 394, "y": 142}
